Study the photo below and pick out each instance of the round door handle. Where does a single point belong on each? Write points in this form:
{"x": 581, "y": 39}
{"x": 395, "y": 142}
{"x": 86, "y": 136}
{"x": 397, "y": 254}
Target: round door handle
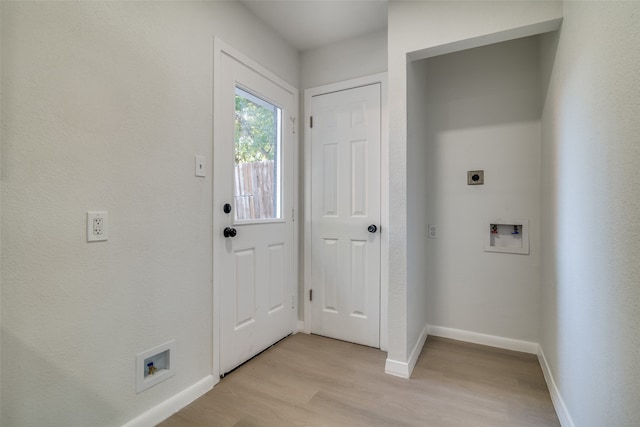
{"x": 230, "y": 232}
{"x": 372, "y": 228}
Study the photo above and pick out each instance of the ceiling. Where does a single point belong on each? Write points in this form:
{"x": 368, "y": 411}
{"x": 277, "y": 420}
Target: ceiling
{"x": 308, "y": 24}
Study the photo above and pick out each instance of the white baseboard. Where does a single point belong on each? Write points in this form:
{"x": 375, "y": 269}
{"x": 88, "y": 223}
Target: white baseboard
{"x": 483, "y": 339}
{"x": 558, "y": 402}
{"x": 172, "y": 405}
{"x": 396, "y": 368}
{"x": 417, "y": 349}
{"x": 404, "y": 369}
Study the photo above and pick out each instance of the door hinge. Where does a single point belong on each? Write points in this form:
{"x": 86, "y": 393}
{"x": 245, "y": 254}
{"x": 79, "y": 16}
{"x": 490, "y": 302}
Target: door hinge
{"x": 310, "y": 294}
{"x": 293, "y": 214}
{"x": 293, "y": 301}
{"x": 293, "y": 123}
{"x": 311, "y": 122}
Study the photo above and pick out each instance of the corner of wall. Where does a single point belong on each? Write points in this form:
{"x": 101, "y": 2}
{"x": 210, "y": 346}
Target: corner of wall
{"x": 589, "y": 294}
{"x": 484, "y": 339}
{"x": 556, "y": 397}
{"x": 1, "y": 127}
{"x": 404, "y": 369}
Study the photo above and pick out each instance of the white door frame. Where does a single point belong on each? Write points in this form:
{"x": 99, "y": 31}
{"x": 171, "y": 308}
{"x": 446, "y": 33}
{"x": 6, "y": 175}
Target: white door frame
{"x": 220, "y": 47}
{"x": 384, "y": 195}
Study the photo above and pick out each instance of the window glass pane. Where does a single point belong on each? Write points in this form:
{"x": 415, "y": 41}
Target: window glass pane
{"x": 257, "y": 158}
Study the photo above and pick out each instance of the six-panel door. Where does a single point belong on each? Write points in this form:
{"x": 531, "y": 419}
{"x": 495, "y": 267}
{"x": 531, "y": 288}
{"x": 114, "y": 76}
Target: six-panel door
{"x": 345, "y": 202}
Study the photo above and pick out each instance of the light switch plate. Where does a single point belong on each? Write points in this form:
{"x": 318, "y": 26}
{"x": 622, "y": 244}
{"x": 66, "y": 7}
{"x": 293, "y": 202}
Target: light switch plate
{"x": 97, "y": 226}
{"x": 201, "y": 167}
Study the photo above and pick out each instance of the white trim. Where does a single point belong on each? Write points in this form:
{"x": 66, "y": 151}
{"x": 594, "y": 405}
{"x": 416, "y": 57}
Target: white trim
{"x": 508, "y": 344}
{"x": 483, "y": 339}
{"x": 397, "y": 368}
{"x": 404, "y": 369}
{"x": 487, "y": 39}
{"x": 384, "y": 195}
{"x": 164, "y": 410}
{"x": 306, "y": 304}
{"x": 384, "y": 216}
{"x": 219, "y": 47}
{"x": 296, "y": 214}
{"x": 300, "y": 327}
{"x": 556, "y": 397}
{"x": 417, "y": 349}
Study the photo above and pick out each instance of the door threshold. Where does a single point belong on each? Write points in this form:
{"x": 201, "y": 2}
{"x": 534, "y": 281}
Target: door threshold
{"x": 250, "y": 359}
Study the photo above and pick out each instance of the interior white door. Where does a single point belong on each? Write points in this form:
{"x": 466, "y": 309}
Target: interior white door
{"x": 253, "y": 202}
{"x": 345, "y": 214}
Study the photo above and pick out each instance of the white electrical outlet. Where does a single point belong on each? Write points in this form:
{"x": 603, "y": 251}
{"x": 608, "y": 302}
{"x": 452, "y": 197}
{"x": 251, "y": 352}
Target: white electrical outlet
{"x": 433, "y": 231}
{"x": 97, "y": 226}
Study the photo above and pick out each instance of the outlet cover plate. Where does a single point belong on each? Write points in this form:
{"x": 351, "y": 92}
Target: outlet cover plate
{"x": 97, "y": 226}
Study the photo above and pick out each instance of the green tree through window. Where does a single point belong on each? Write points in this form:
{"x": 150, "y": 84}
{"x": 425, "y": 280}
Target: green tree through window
{"x": 255, "y": 129}
{"x": 257, "y": 154}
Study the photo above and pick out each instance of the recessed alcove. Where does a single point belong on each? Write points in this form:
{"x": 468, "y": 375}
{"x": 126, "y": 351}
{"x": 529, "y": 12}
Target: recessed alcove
{"x": 477, "y": 109}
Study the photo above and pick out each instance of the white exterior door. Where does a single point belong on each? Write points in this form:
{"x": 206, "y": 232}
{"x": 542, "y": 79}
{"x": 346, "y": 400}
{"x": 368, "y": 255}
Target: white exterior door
{"x": 253, "y": 207}
{"x": 345, "y": 214}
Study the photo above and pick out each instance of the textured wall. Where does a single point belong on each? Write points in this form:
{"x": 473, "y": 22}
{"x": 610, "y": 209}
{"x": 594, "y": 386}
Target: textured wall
{"x": 417, "y": 198}
{"x": 346, "y": 60}
{"x": 1, "y": 127}
{"x": 104, "y": 105}
{"x": 414, "y": 26}
{"x": 591, "y": 213}
{"x": 483, "y": 112}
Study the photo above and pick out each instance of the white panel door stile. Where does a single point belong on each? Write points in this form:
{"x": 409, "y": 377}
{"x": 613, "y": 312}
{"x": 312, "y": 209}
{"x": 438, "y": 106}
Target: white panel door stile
{"x": 256, "y": 266}
{"x": 345, "y": 201}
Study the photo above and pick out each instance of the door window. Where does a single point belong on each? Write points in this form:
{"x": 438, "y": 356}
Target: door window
{"x": 258, "y": 136}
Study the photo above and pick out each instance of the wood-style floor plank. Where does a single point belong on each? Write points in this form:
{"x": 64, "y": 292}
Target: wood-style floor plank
{"x": 307, "y": 380}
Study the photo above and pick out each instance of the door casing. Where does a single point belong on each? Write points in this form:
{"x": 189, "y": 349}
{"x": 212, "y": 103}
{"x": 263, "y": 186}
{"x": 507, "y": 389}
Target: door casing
{"x": 384, "y": 195}
{"x": 220, "y": 48}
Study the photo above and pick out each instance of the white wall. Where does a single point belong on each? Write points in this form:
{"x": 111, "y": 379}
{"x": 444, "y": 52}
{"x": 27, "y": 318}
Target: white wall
{"x": 1, "y": 127}
{"x": 416, "y": 26}
{"x": 104, "y": 105}
{"x": 591, "y": 214}
{"x": 417, "y": 200}
{"x": 483, "y": 112}
{"x": 349, "y": 59}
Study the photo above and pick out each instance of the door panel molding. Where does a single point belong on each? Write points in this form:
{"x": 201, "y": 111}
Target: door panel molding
{"x": 380, "y": 78}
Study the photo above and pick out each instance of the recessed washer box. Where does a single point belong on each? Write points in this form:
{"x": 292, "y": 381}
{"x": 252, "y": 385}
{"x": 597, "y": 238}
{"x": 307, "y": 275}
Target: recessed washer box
{"x": 159, "y": 359}
{"x": 507, "y": 236}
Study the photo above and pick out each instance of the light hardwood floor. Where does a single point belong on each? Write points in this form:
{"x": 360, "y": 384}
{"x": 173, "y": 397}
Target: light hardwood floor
{"x": 307, "y": 380}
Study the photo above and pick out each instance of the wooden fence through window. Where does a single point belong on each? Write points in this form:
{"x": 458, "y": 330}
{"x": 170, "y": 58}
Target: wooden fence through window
{"x": 255, "y": 190}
